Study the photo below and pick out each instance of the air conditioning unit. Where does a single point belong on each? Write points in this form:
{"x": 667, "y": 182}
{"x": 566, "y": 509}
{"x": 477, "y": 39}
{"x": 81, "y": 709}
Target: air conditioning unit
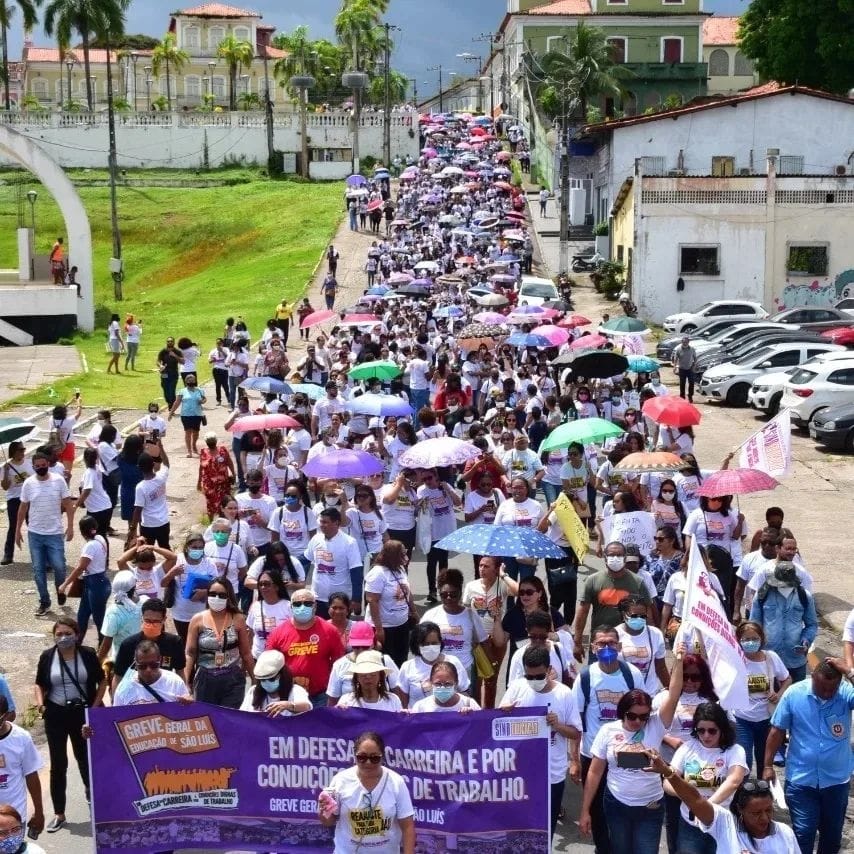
{"x": 676, "y": 173}
{"x": 841, "y": 169}
{"x": 744, "y": 171}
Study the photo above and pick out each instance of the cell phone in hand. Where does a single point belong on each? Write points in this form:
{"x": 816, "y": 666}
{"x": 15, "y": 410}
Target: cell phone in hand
{"x": 32, "y": 833}
{"x": 632, "y": 759}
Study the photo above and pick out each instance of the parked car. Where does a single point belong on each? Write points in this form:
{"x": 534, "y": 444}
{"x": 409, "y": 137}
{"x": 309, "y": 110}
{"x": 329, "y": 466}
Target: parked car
{"x": 767, "y": 389}
{"x": 813, "y": 389}
{"x": 834, "y": 427}
{"x": 846, "y": 306}
{"x": 664, "y": 349}
{"x": 735, "y": 310}
{"x": 750, "y": 343}
{"x": 731, "y": 381}
{"x": 810, "y": 316}
{"x": 536, "y": 291}
{"x": 731, "y": 336}
{"x": 840, "y": 335}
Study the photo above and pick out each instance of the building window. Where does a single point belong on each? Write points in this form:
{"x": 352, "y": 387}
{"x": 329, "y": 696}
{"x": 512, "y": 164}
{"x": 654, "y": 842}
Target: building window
{"x": 619, "y": 48}
{"x": 671, "y": 49}
{"x": 743, "y": 66}
{"x": 218, "y": 84}
{"x": 723, "y": 167}
{"x": 215, "y": 36}
{"x": 718, "y": 63}
{"x": 673, "y": 2}
{"x": 807, "y": 259}
{"x": 192, "y": 87}
{"x": 38, "y": 88}
{"x": 241, "y": 34}
{"x": 555, "y": 43}
{"x": 699, "y": 261}
{"x": 192, "y": 38}
{"x": 790, "y": 164}
{"x": 617, "y": 2}
{"x": 654, "y": 165}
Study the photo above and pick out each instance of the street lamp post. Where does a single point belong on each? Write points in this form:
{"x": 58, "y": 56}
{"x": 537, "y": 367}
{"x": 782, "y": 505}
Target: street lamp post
{"x": 94, "y": 80}
{"x": 441, "y": 96}
{"x": 268, "y": 113}
{"x": 116, "y": 260}
{"x": 134, "y": 58}
{"x": 69, "y": 64}
{"x": 32, "y": 195}
{"x": 211, "y": 67}
{"x": 471, "y": 57}
{"x": 148, "y": 81}
{"x": 387, "y": 101}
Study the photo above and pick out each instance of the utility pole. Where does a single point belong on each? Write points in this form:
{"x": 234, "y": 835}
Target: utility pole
{"x": 441, "y": 96}
{"x": 116, "y": 261}
{"x": 387, "y": 105}
{"x": 414, "y": 82}
{"x": 268, "y": 112}
{"x": 471, "y": 57}
{"x": 493, "y": 39}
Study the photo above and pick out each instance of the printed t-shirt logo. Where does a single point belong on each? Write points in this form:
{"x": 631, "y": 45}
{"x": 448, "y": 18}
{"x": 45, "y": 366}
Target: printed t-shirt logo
{"x": 324, "y": 561}
{"x": 612, "y": 596}
{"x": 607, "y": 701}
{"x": 453, "y": 637}
{"x": 757, "y": 684}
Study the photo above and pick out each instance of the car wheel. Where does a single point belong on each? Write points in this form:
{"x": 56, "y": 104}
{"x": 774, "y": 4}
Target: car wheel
{"x": 737, "y": 395}
{"x": 813, "y": 415}
{"x": 690, "y": 327}
{"x": 774, "y": 404}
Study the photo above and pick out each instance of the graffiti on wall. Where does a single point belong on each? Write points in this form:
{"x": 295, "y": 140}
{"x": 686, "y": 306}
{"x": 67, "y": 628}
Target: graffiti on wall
{"x": 819, "y": 292}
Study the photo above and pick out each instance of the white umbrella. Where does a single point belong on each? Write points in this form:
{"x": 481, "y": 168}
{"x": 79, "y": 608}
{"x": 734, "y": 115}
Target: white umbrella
{"x": 432, "y": 266}
{"x": 451, "y": 170}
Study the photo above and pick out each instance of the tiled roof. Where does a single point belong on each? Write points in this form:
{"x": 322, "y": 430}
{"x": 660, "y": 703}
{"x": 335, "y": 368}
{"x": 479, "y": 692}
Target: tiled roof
{"x": 272, "y": 52}
{"x": 720, "y": 30}
{"x": 52, "y": 54}
{"x": 217, "y": 10}
{"x": 562, "y": 7}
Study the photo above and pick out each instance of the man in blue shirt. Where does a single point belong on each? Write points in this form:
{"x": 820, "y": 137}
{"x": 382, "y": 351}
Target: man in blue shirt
{"x": 817, "y": 715}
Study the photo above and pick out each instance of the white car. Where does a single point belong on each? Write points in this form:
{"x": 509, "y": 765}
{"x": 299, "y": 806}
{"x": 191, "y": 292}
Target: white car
{"x": 735, "y": 310}
{"x": 846, "y": 306}
{"x": 731, "y": 381}
{"x": 536, "y": 291}
{"x": 814, "y": 388}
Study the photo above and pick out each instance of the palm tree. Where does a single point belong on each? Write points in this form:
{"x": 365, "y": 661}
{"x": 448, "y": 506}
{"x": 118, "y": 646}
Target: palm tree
{"x": 88, "y": 18}
{"x": 297, "y": 62}
{"x": 167, "y": 54}
{"x": 7, "y": 10}
{"x": 595, "y": 71}
{"x": 236, "y": 53}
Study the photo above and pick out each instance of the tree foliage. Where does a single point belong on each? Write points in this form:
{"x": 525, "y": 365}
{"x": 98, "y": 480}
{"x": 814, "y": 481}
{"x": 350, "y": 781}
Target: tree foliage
{"x": 168, "y": 55}
{"x": 7, "y": 12}
{"x": 795, "y": 42}
{"x": 237, "y": 53}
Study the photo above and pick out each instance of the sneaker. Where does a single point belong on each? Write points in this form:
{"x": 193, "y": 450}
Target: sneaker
{"x": 60, "y": 598}
{"x": 42, "y": 610}
{"x": 55, "y": 823}
{"x": 6, "y": 561}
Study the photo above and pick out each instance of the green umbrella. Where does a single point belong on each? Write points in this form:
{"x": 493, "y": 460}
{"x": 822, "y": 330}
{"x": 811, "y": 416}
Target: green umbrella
{"x": 14, "y": 428}
{"x": 382, "y": 370}
{"x": 584, "y": 430}
{"x": 625, "y": 326}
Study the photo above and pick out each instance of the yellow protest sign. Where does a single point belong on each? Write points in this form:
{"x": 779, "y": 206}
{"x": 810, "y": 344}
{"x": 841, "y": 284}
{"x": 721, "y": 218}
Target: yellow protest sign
{"x": 574, "y": 528}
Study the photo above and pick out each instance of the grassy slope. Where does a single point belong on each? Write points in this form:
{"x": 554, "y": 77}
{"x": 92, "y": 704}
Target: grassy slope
{"x": 192, "y": 258}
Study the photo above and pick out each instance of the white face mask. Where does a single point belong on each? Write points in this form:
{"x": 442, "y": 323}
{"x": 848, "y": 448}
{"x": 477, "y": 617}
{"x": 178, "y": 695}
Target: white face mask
{"x": 216, "y": 604}
{"x": 615, "y": 562}
{"x": 537, "y": 684}
{"x": 332, "y": 500}
{"x": 430, "y": 652}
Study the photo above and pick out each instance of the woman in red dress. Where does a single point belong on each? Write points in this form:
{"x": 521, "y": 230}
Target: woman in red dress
{"x": 216, "y": 474}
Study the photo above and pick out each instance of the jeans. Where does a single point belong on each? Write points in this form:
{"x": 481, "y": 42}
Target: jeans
{"x": 235, "y": 452}
{"x": 12, "y": 505}
{"x": 169, "y": 384}
{"x": 692, "y": 840}
{"x": 550, "y": 491}
{"x": 633, "y": 830}
{"x": 672, "y": 820}
{"x": 686, "y": 375}
{"x": 62, "y": 723}
{"x": 420, "y": 398}
{"x": 130, "y": 358}
{"x": 330, "y": 301}
{"x": 752, "y": 735}
{"x": 396, "y": 643}
{"x": 47, "y": 551}
{"x": 93, "y": 602}
{"x": 220, "y": 378}
{"x": 233, "y": 383}
{"x": 814, "y": 810}
{"x": 601, "y": 838}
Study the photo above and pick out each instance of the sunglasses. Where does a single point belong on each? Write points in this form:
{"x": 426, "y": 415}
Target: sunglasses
{"x": 527, "y": 592}
{"x": 756, "y": 786}
{"x": 450, "y": 594}
{"x": 213, "y": 595}
{"x": 372, "y": 758}
{"x": 532, "y": 677}
{"x": 707, "y": 730}
{"x": 634, "y": 716}
{"x": 693, "y": 677}
{"x": 263, "y": 584}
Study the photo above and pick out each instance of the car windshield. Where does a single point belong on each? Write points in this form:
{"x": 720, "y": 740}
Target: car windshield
{"x": 752, "y": 356}
{"x": 803, "y": 377}
{"x": 544, "y": 291}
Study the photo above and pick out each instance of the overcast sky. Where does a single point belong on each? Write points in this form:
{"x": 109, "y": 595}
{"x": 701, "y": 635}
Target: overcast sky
{"x": 433, "y": 32}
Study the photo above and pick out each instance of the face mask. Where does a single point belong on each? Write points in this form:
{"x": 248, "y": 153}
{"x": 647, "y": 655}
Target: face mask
{"x": 751, "y": 646}
{"x": 281, "y": 462}
{"x": 11, "y": 844}
{"x": 291, "y": 501}
{"x": 152, "y": 631}
{"x": 332, "y": 500}
{"x": 216, "y": 604}
{"x": 41, "y": 471}
{"x": 270, "y": 685}
{"x": 66, "y": 641}
{"x": 195, "y": 554}
{"x": 668, "y": 495}
{"x": 253, "y": 487}
{"x": 636, "y": 624}
{"x": 468, "y": 418}
{"x": 500, "y": 404}
{"x": 615, "y": 562}
{"x": 607, "y": 655}
{"x": 302, "y": 613}
{"x": 656, "y": 382}
{"x": 616, "y": 401}
{"x": 443, "y": 693}
{"x": 537, "y": 684}
{"x": 430, "y": 652}
{"x": 452, "y": 407}
{"x": 220, "y": 538}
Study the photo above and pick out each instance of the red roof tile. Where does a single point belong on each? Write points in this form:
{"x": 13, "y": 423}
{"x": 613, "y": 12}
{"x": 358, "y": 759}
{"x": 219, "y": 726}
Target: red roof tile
{"x": 720, "y": 30}
{"x": 52, "y": 54}
{"x": 217, "y": 10}
{"x": 562, "y": 7}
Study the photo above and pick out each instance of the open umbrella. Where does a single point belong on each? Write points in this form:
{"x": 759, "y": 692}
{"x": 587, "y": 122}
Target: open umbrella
{"x": 528, "y": 309}
{"x": 356, "y": 180}
{"x": 356, "y": 319}
{"x": 442, "y": 451}
{"x": 650, "y": 461}
{"x": 503, "y": 156}
{"x": 588, "y": 342}
{"x": 376, "y": 204}
{"x": 503, "y": 185}
{"x": 380, "y": 405}
{"x": 502, "y": 278}
{"x": 267, "y": 385}
{"x": 557, "y": 305}
{"x": 400, "y": 278}
{"x": 572, "y": 321}
{"x": 555, "y": 335}
{"x": 671, "y": 411}
{"x": 500, "y": 540}
{"x": 625, "y": 326}
{"x": 429, "y": 266}
{"x": 342, "y": 463}
{"x": 413, "y": 291}
{"x": 736, "y": 482}
{"x": 585, "y": 431}
{"x": 449, "y": 311}
{"x": 311, "y": 390}
{"x": 527, "y": 339}
{"x": 491, "y": 299}
{"x": 491, "y": 318}
{"x": 378, "y": 370}
{"x": 273, "y": 421}
{"x": 593, "y": 364}
{"x": 317, "y": 317}
{"x": 643, "y": 364}
{"x": 378, "y": 290}
{"x": 14, "y": 428}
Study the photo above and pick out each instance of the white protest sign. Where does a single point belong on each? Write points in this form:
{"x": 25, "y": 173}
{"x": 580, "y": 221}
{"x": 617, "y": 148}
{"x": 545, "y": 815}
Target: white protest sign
{"x": 769, "y": 449}
{"x": 638, "y": 527}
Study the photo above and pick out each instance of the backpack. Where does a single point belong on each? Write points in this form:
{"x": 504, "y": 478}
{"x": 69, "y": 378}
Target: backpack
{"x": 584, "y": 678}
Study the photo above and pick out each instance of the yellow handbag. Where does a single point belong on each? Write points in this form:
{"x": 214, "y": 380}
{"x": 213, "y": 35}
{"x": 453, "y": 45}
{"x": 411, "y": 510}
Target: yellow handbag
{"x": 485, "y": 670}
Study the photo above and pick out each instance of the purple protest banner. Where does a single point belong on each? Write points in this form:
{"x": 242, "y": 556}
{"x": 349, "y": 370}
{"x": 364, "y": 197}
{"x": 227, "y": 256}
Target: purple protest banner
{"x": 167, "y": 776}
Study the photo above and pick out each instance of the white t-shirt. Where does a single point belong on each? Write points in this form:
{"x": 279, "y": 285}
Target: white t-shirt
{"x": 558, "y": 660}
{"x": 264, "y": 507}
{"x": 442, "y": 511}
{"x": 97, "y": 499}
{"x": 630, "y": 786}
{"x": 711, "y": 527}
{"x": 184, "y": 609}
{"x": 760, "y": 683}
{"x": 414, "y": 678}
{"x": 257, "y": 567}
{"x": 294, "y": 527}
{"x": 332, "y": 561}
{"x": 521, "y": 514}
{"x": 152, "y": 422}
{"x": 18, "y": 473}
{"x": 760, "y": 576}
{"x": 367, "y": 530}
{"x": 489, "y": 604}
{"x": 97, "y": 551}
{"x": 148, "y": 582}
{"x": 170, "y": 686}
{"x": 559, "y": 700}
{"x": 262, "y": 619}
{"x": 150, "y": 495}
{"x": 683, "y": 717}
{"x": 429, "y": 704}
{"x": 399, "y": 515}
{"x": 389, "y": 703}
{"x": 298, "y": 695}
{"x": 706, "y": 768}
{"x": 20, "y": 757}
{"x": 418, "y": 374}
{"x": 393, "y": 590}
{"x": 725, "y": 832}
{"x": 277, "y": 480}
{"x": 341, "y": 677}
{"x": 389, "y": 802}
{"x": 677, "y": 585}
{"x": 605, "y": 692}
{"x": 45, "y": 499}
{"x": 474, "y": 501}
{"x": 521, "y": 464}
{"x": 228, "y": 559}
{"x": 643, "y": 650}
{"x": 459, "y": 631}
{"x": 848, "y": 630}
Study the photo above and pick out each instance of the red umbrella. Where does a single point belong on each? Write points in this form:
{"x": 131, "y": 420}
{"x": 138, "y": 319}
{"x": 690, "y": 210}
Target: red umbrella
{"x": 672, "y": 411}
{"x": 361, "y": 318}
{"x": 736, "y": 482}
{"x": 264, "y": 422}
{"x": 477, "y": 131}
{"x": 514, "y": 215}
{"x": 588, "y": 341}
{"x": 376, "y": 203}
{"x": 317, "y": 317}
{"x": 574, "y": 320}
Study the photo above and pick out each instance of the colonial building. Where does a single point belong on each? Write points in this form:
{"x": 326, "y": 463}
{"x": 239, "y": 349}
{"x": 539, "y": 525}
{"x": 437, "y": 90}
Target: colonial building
{"x": 730, "y": 71}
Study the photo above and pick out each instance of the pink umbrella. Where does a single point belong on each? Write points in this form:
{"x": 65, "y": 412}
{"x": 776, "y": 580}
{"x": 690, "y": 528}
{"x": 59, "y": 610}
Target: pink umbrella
{"x": 588, "y": 341}
{"x": 492, "y": 318}
{"x": 554, "y": 334}
{"x": 463, "y": 146}
{"x": 736, "y": 482}
{"x": 264, "y": 422}
{"x": 503, "y": 156}
{"x": 574, "y": 320}
{"x": 548, "y": 314}
{"x": 361, "y": 318}
{"x": 376, "y": 203}
{"x": 317, "y": 317}
{"x": 400, "y": 278}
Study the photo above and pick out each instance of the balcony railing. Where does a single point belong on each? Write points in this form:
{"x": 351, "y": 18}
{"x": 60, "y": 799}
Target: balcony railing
{"x": 667, "y": 71}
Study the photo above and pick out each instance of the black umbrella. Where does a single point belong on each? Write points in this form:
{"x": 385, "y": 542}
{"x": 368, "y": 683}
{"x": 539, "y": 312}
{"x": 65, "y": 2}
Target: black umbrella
{"x": 593, "y": 363}
{"x": 413, "y": 291}
{"x": 557, "y": 305}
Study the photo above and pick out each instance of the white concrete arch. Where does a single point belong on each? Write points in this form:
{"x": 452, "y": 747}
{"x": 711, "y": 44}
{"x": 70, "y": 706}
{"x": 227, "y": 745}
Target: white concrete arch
{"x": 33, "y": 157}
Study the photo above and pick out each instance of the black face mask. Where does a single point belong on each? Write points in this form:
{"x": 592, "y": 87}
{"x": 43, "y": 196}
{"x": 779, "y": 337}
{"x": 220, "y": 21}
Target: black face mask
{"x": 41, "y": 471}
{"x": 253, "y": 487}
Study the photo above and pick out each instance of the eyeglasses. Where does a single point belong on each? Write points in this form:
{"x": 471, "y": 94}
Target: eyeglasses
{"x": 11, "y": 831}
{"x": 372, "y": 758}
{"x": 150, "y": 622}
{"x": 527, "y": 592}
{"x": 707, "y": 730}
{"x": 214, "y": 595}
{"x": 660, "y": 539}
{"x": 450, "y": 594}
{"x": 606, "y": 644}
{"x": 634, "y": 716}
{"x": 265, "y": 584}
{"x": 444, "y": 685}
{"x": 692, "y": 677}
{"x": 151, "y": 665}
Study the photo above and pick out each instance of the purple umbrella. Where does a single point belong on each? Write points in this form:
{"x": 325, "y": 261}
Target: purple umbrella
{"x": 343, "y": 463}
{"x": 356, "y": 180}
{"x": 528, "y": 309}
{"x": 431, "y": 453}
{"x": 422, "y": 283}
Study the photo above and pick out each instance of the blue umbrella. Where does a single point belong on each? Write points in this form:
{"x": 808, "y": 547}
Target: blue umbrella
{"x": 449, "y": 311}
{"x": 528, "y": 339}
{"x": 380, "y": 404}
{"x": 643, "y": 363}
{"x": 267, "y": 385}
{"x": 356, "y": 180}
{"x": 310, "y": 390}
{"x": 500, "y": 541}
{"x": 378, "y": 291}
